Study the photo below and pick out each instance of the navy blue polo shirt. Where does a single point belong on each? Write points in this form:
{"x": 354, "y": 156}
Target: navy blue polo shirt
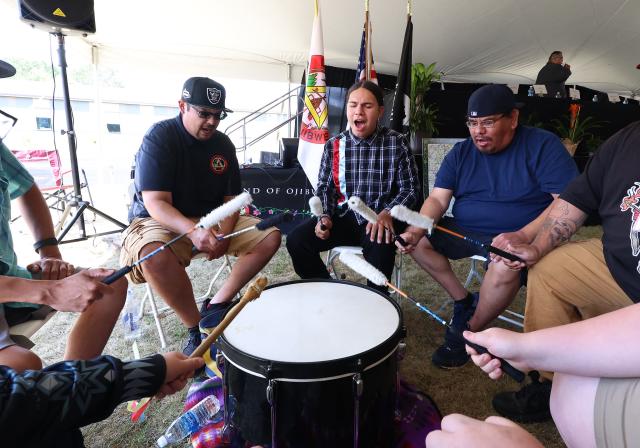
{"x": 502, "y": 192}
{"x": 199, "y": 174}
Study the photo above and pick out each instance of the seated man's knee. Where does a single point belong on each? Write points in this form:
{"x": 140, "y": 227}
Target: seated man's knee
{"x": 423, "y": 249}
{"x": 273, "y": 241}
{"x": 500, "y": 276}
{"x": 119, "y": 292}
{"x": 157, "y": 262}
{"x": 20, "y": 359}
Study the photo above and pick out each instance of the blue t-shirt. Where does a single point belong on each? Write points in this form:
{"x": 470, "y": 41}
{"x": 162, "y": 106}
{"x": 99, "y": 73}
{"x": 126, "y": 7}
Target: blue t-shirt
{"x": 503, "y": 192}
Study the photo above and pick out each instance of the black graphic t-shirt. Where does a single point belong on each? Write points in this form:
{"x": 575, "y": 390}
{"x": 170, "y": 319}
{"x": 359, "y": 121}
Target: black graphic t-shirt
{"x": 610, "y": 185}
{"x": 198, "y": 174}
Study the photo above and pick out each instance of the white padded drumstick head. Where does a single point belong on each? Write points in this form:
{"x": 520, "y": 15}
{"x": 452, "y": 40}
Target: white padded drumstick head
{"x": 363, "y": 268}
{"x": 404, "y": 214}
{"x": 225, "y": 210}
{"x": 357, "y": 205}
{"x": 315, "y": 206}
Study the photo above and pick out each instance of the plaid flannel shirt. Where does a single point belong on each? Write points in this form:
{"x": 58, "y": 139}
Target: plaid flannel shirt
{"x": 379, "y": 170}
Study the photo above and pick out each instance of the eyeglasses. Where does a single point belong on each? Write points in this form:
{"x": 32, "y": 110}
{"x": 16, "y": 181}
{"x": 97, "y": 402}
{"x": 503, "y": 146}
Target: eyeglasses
{"x": 206, "y": 115}
{"x": 487, "y": 124}
{"x": 6, "y": 125}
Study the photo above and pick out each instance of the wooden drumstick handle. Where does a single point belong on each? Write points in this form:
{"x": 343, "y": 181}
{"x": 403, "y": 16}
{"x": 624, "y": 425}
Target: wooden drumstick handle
{"x": 252, "y": 293}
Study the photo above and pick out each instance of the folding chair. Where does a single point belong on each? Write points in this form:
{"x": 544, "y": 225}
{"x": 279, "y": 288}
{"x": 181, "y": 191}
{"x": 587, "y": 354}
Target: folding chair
{"x": 157, "y": 313}
{"x": 46, "y": 168}
{"x": 21, "y": 333}
{"x": 396, "y": 276}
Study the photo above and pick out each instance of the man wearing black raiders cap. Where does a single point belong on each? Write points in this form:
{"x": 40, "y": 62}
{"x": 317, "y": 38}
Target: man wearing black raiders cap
{"x": 184, "y": 169}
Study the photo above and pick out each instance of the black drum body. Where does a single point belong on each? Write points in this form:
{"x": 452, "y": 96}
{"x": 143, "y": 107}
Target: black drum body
{"x": 318, "y": 401}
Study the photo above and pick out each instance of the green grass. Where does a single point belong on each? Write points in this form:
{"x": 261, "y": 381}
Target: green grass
{"x": 466, "y": 390}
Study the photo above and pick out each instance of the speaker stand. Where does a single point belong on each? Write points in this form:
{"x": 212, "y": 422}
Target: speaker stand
{"x": 77, "y": 202}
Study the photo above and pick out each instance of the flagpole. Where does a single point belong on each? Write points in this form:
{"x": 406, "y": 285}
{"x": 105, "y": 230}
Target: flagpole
{"x": 367, "y": 48}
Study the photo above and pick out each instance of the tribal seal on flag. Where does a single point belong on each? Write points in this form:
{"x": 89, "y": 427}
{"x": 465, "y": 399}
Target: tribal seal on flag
{"x": 314, "y": 119}
{"x": 314, "y": 126}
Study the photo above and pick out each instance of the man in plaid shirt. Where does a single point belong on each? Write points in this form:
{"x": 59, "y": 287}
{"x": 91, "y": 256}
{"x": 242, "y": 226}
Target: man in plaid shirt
{"x": 368, "y": 161}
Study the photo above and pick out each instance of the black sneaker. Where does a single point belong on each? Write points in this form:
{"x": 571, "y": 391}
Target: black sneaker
{"x": 452, "y": 353}
{"x": 463, "y": 311}
{"x": 193, "y": 342}
{"x": 528, "y": 405}
{"x": 211, "y": 314}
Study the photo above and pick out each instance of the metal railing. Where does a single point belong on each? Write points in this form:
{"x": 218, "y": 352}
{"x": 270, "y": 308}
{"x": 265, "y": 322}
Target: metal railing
{"x": 289, "y": 100}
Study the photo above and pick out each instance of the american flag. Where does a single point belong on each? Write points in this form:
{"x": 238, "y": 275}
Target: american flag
{"x": 365, "y": 49}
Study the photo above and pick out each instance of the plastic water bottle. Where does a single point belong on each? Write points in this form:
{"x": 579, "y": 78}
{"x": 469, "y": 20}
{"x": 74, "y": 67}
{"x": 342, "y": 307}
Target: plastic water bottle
{"x": 131, "y": 317}
{"x": 192, "y": 420}
{"x": 531, "y": 91}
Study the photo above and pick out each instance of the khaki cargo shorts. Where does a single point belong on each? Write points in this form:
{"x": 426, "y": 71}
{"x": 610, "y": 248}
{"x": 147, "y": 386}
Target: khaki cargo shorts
{"x": 617, "y": 412}
{"x": 143, "y": 231}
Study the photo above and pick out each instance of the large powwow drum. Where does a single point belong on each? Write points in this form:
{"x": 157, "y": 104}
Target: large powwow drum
{"x": 314, "y": 364}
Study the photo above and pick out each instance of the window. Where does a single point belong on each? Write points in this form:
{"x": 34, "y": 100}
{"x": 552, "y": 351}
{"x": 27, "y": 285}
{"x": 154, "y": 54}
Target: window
{"x": 43, "y": 123}
{"x": 113, "y": 128}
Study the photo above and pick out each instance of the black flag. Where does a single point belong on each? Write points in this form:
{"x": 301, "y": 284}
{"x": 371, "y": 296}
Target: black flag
{"x": 400, "y": 109}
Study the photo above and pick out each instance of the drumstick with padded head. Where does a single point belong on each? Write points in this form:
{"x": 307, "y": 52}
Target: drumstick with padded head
{"x": 211, "y": 219}
{"x": 262, "y": 225}
{"x": 253, "y": 292}
{"x": 315, "y": 206}
{"x": 375, "y": 276}
{"x": 358, "y": 206}
{"x": 402, "y": 213}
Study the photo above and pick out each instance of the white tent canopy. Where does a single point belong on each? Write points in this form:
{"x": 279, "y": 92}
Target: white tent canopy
{"x": 472, "y": 41}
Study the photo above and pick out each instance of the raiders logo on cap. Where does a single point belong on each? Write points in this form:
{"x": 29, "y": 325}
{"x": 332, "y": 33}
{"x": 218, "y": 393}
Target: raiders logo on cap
{"x": 213, "y": 95}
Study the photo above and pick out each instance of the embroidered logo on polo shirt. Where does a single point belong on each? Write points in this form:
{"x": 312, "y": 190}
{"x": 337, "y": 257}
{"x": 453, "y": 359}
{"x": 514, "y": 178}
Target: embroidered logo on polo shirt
{"x": 218, "y": 164}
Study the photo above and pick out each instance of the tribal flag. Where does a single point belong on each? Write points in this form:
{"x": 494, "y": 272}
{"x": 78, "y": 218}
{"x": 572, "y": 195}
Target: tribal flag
{"x": 314, "y": 130}
{"x": 366, "y": 54}
{"x": 399, "y": 120}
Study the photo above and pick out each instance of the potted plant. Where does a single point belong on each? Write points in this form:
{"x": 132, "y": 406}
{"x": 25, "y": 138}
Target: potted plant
{"x": 422, "y": 118}
{"x": 573, "y": 129}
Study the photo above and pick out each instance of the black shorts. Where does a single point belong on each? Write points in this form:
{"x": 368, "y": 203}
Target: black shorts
{"x": 455, "y": 248}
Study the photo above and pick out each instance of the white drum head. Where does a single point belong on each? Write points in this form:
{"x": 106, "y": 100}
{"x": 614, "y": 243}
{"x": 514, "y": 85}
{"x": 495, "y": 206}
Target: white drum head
{"x": 313, "y": 322}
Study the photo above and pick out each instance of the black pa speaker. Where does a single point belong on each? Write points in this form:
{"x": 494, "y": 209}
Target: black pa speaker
{"x": 65, "y": 16}
{"x": 289, "y": 151}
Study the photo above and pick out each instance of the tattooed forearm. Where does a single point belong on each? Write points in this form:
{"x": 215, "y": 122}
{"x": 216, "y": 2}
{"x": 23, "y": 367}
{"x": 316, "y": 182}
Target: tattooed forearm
{"x": 561, "y": 223}
{"x": 561, "y": 231}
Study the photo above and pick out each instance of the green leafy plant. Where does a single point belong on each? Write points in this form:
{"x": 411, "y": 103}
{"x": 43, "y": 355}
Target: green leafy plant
{"x": 423, "y": 115}
{"x": 574, "y": 129}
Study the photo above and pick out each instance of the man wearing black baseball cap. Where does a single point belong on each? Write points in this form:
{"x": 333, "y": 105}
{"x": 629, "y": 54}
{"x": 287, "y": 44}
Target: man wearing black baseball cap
{"x": 6, "y": 70}
{"x": 503, "y": 178}
{"x": 184, "y": 169}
